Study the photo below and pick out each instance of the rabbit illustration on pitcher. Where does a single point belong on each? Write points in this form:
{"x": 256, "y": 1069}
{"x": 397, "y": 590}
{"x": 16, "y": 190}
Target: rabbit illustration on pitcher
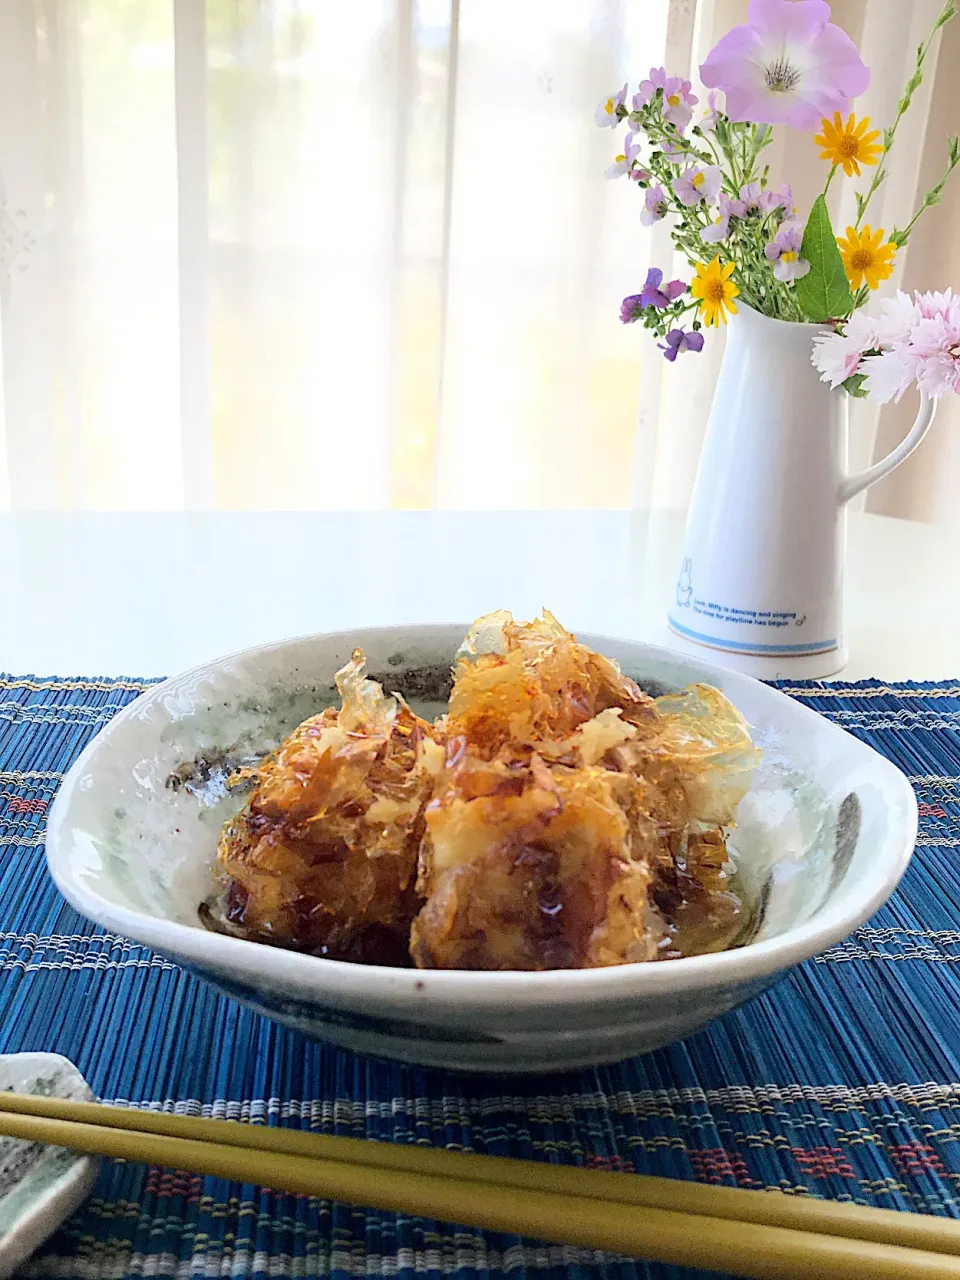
{"x": 684, "y": 584}
{"x": 761, "y": 573}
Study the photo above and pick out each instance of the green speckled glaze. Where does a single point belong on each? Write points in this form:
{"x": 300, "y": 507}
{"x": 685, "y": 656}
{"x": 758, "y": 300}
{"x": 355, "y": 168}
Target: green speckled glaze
{"x": 226, "y": 732}
{"x": 39, "y": 1185}
{"x": 244, "y": 728}
{"x": 822, "y": 837}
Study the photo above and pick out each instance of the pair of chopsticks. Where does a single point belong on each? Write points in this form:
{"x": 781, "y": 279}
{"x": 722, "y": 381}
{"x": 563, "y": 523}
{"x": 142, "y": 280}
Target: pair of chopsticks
{"x": 766, "y": 1235}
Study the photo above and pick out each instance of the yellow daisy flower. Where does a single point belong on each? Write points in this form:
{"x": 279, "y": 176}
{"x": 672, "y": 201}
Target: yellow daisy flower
{"x": 865, "y": 257}
{"x": 848, "y": 145}
{"x": 716, "y": 291}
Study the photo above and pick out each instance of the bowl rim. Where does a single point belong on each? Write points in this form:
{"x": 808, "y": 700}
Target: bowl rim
{"x": 342, "y": 983}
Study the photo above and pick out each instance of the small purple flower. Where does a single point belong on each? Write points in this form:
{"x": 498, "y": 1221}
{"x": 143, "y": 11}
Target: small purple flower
{"x": 675, "y": 152}
{"x": 606, "y": 114}
{"x": 657, "y": 79}
{"x": 753, "y": 196}
{"x": 678, "y": 341}
{"x": 709, "y": 121}
{"x": 718, "y": 229}
{"x": 655, "y": 296}
{"x": 698, "y": 183}
{"x": 639, "y": 174}
{"x": 769, "y": 200}
{"x": 784, "y": 251}
{"x": 631, "y": 309}
{"x": 787, "y": 65}
{"x": 623, "y": 163}
{"x": 678, "y": 102}
{"x": 654, "y": 205}
{"x": 750, "y": 197}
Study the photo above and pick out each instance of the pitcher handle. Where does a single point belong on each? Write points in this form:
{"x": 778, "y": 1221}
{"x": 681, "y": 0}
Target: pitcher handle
{"x": 852, "y": 485}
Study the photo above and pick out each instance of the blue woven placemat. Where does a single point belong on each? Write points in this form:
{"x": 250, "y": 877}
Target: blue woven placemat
{"x": 843, "y": 1081}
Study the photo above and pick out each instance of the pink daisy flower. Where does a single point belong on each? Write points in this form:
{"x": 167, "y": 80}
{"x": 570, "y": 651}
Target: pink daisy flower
{"x": 837, "y": 356}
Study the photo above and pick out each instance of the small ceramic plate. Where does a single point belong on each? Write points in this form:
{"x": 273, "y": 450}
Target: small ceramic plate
{"x": 39, "y": 1186}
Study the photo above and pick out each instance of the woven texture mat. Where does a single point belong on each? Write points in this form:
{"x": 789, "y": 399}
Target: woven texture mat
{"x": 842, "y": 1082}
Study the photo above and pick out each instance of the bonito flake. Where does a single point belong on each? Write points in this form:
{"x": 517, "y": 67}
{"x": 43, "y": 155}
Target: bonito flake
{"x": 556, "y": 817}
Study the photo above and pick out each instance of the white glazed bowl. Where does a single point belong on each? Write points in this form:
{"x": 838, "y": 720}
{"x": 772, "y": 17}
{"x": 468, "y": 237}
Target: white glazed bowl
{"x": 822, "y": 839}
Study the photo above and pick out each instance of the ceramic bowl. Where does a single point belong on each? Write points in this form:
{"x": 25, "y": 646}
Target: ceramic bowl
{"x": 39, "y": 1186}
{"x": 822, "y": 838}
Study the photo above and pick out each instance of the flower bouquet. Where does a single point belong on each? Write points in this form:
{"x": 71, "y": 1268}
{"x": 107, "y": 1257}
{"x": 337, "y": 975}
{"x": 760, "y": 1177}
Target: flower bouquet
{"x": 742, "y": 236}
{"x": 762, "y": 560}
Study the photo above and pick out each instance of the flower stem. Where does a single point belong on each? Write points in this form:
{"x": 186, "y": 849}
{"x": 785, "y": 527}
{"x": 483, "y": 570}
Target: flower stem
{"x": 913, "y": 84}
{"x": 899, "y": 235}
{"x": 717, "y": 155}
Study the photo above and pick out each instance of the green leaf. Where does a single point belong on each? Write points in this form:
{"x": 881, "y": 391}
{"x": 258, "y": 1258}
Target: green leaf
{"x": 823, "y": 292}
{"x": 854, "y": 385}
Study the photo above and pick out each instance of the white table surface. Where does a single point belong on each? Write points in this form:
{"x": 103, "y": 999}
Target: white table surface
{"x": 151, "y": 594}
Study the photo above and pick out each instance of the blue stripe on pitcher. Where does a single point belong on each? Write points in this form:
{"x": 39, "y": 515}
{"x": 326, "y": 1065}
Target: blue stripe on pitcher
{"x": 824, "y": 646}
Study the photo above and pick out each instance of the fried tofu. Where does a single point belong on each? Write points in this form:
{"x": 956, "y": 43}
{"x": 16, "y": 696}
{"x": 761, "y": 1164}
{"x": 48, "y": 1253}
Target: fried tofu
{"x": 569, "y": 801}
{"x": 556, "y": 817}
{"x": 323, "y": 856}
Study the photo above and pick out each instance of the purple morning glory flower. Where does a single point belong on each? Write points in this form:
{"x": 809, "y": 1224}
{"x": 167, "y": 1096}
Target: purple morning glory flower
{"x": 787, "y": 65}
{"x": 678, "y": 341}
{"x": 653, "y": 295}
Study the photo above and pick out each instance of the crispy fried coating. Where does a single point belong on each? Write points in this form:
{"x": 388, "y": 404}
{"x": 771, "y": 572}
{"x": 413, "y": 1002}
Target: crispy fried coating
{"x": 527, "y": 866}
{"x": 323, "y": 856}
{"x": 526, "y": 683}
{"x": 577, "y": 822}
{"x": 556, "y": 817}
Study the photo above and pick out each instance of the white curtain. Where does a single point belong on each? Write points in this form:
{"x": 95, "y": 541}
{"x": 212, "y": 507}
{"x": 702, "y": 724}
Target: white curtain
{"x": 311, "y": 254}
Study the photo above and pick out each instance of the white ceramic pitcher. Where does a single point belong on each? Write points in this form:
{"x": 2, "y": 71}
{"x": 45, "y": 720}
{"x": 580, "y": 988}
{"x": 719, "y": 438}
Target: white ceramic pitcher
{"x": 762, "y": 569}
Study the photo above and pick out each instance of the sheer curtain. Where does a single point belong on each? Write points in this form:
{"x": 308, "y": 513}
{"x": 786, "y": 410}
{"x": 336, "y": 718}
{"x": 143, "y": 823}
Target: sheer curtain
{"x": 303, "y": 253}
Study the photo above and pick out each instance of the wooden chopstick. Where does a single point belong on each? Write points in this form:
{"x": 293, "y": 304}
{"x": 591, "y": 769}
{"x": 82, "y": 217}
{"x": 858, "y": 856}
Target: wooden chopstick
{"x": 767, "y": 1252}
{"x": 769, "y": 1208}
